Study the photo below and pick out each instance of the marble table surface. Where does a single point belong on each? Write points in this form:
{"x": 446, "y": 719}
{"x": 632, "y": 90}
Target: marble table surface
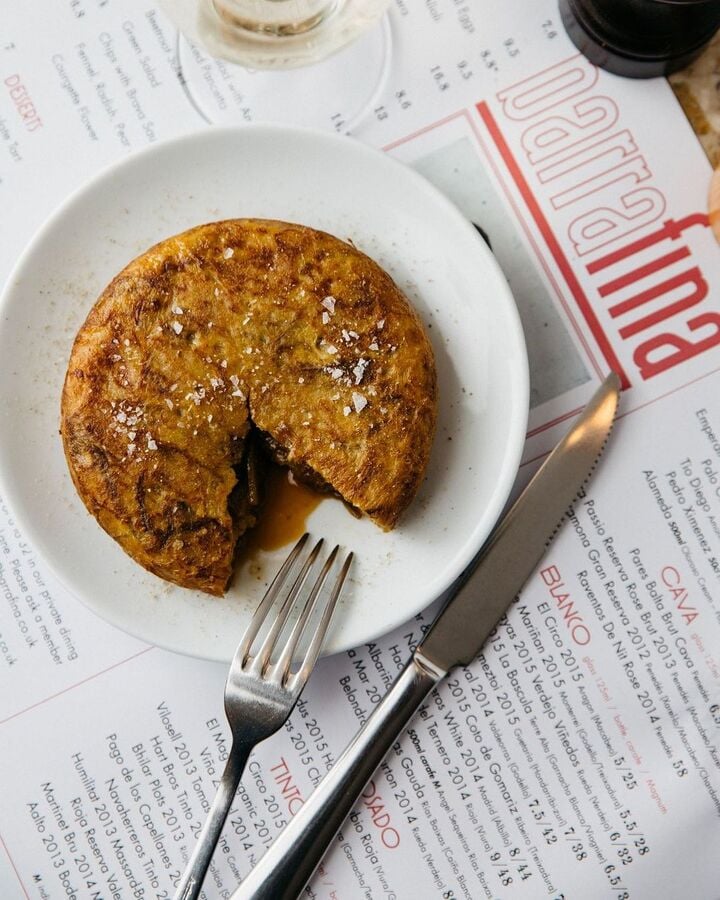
{"x": 698, "y": 89}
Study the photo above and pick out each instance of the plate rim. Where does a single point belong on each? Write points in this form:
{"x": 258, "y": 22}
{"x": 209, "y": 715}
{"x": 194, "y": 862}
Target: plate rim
{"x": 517, "y": 428}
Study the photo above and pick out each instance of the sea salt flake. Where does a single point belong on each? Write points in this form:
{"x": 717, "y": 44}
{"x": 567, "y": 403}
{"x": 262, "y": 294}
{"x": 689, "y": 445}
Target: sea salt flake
{"x": 346, "y": 410}
{"x": 131, "y": 448}
{"x": 329, "y": 304}
{"x": 127, "y": 342}
{"x": 173, "y": 387}
{"x": 354, "y": 334}
{"x": 263, "y": 388}
{"x": 248, "y": 350}
{"x": 234, "y": 381}
{"x": 178, "y": 311}
{"x": 228, "y": 252}
{"x": 325, "y": 318}
{"x": 196, "y": 396}
{"x": 116, "y": 357}
{"x": 224, "y": 364}
{"x": 359, "y": 370}
{"x": 374, "y": 346}
{"x": 210, "y": 418}
{"x": 121, "y": 416}
{"x": 381, "y": 324}
{"x": 151, "y": 444}
{"x": 359, "y": 402}
{"x": 301, "y": 380}
{"x": 176, "y": 327}
{"x": 131, "y": 435}
{"x": 215, "y": 383}
{"x": 237, "y": 394}
{"x": 336, "y": 373}
{"x": 331, "y": 349}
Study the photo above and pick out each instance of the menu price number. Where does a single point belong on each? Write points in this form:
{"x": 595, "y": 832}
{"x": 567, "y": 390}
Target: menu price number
{"x": 628, "y": 841}
{"x": 464, "y": 70}
{"x": 548, "y": 832}
{"x": 628, "y": 778}
{"x": 680, "y": 768}
{"x": 511, "y": 47}
{"x": 337, "y": 120}
{"x": 512, "y": 870}
{"x": 615, "y": 880}
{"x": 76, "y": 8}
{"x": 624, "y": 852}
{"x": 621, "y": 848}
{"x": 440, "y": 79}
{"x": 404, "y": 102}
{"x": 576, "y": 845}
{"x": 715, "y": 713}
{"x": 488, "y": 60}
{"x": 549, "y": 29}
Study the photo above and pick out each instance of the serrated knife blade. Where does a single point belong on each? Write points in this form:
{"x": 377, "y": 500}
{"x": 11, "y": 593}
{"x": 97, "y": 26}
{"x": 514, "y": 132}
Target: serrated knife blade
{"x": 520, "y": 541}
{"x": 474, "y": 605}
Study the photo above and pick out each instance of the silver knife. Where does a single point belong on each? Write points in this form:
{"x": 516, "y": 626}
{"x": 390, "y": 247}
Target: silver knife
{"x": 474, "y": 605}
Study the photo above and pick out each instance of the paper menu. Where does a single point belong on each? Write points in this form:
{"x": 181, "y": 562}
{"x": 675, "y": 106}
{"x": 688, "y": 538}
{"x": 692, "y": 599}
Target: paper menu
{"x": 578, "y": 756}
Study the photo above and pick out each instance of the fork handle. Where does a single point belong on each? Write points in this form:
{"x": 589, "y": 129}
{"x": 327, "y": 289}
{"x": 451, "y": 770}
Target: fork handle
{"x": 288, "y": 865}
{"x": 191, "y": 882}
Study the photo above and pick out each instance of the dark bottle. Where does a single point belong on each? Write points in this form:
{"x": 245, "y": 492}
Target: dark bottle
{"x": 640, "y": 38}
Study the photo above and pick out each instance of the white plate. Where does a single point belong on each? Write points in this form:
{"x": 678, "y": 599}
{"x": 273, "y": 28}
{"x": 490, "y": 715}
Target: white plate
{"x": 340, "y": 186}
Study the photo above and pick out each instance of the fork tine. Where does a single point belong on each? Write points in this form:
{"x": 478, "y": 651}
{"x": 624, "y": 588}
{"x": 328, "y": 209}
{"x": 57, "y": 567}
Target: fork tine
{"x": 282, "y": 667}
{"x": 267, "y": 602}
{"x": 297, "y": 682}
{"x": 260, "y": 661}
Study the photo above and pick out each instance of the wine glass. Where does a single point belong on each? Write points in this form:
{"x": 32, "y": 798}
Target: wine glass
{"x": 312, "y": 62}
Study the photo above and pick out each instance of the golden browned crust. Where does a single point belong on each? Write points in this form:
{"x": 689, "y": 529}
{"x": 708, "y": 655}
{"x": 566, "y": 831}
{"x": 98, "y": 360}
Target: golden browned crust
{"x": 229, "y": 324}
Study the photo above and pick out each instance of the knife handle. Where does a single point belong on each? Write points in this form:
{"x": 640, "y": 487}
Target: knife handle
{"x": 288, "y": 865}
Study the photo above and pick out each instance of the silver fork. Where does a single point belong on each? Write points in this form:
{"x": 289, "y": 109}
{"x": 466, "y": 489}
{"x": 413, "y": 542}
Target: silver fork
{"x": 260, "y": 694}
